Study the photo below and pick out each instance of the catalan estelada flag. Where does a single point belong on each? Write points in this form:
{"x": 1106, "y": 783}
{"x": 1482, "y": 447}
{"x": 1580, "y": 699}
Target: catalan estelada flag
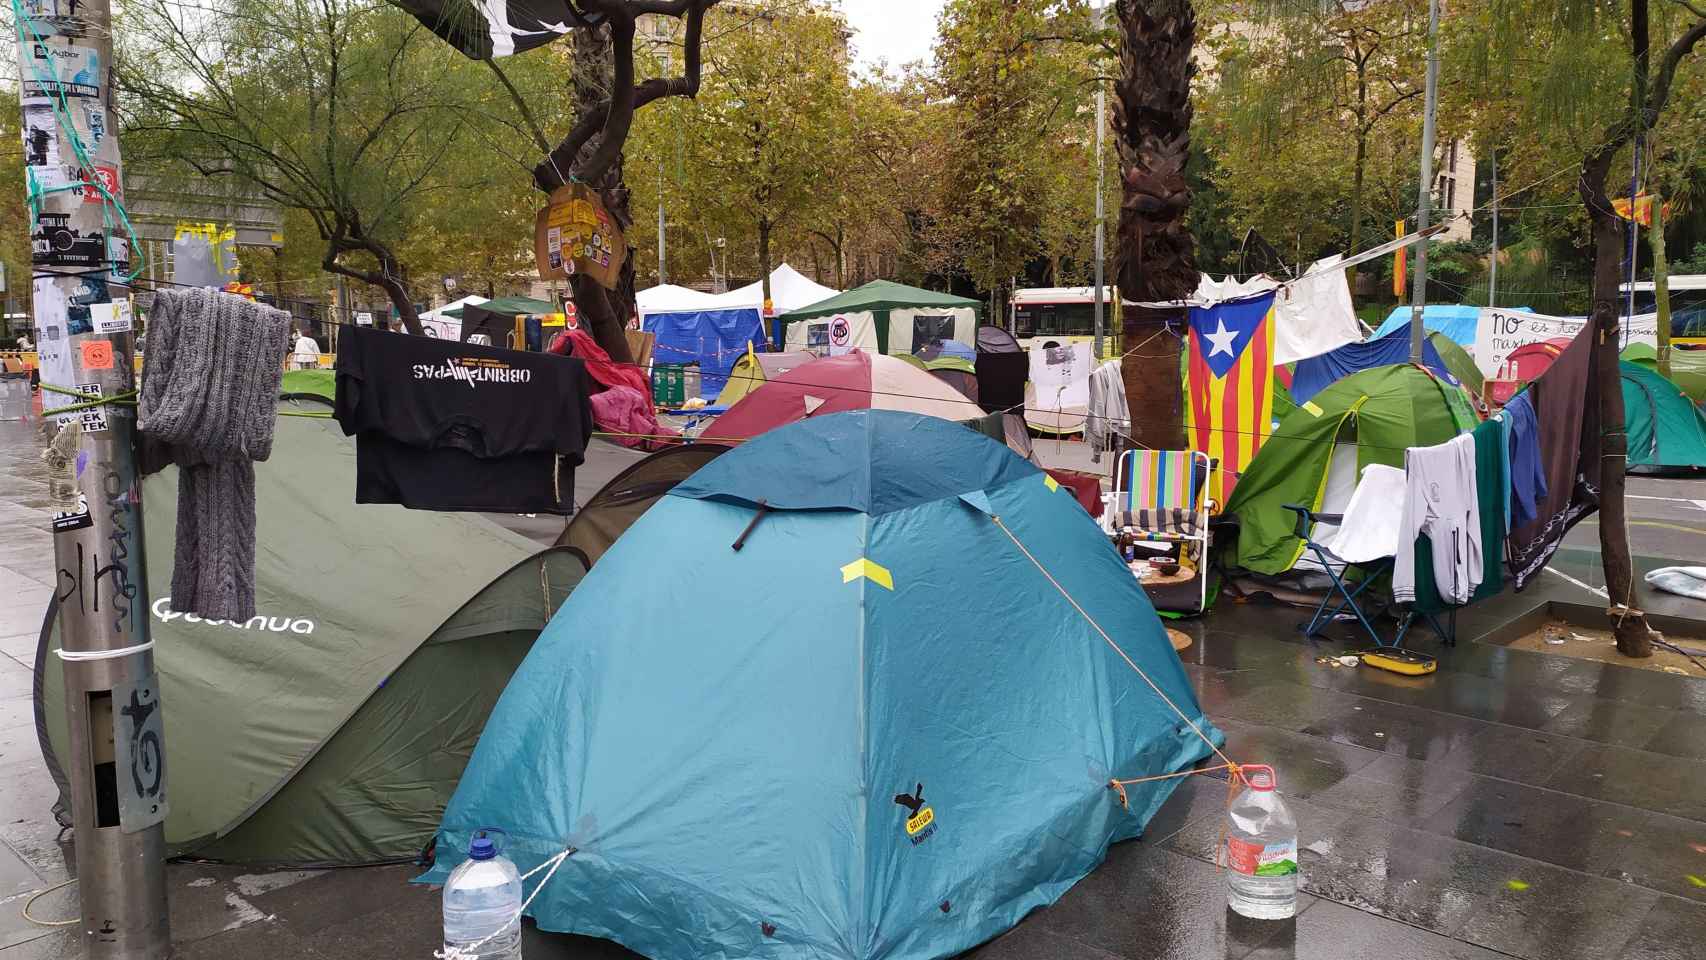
{"x": 1229, "y": 412}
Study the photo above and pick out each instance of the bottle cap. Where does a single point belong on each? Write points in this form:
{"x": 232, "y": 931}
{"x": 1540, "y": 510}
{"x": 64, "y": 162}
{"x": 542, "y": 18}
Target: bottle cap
{"x": 1259, "y": 776}
{"x": 482, "y": 848}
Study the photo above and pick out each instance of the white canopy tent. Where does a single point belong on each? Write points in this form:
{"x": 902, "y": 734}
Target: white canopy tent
{"x": 789, "y": 290}
{"x": 434, "y": 323}
{"x": 669, "y": 298}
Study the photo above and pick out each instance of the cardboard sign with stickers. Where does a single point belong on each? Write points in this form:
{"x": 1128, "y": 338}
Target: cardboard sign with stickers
{"x": 575, "y": 234}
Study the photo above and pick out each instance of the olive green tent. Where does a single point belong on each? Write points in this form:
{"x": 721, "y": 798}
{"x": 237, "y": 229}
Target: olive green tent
{"x": 333, "y": 726}
{"x": 1687, "y": 367}
{"x": 1458, "y": 361}
{"x": 1368, "y": 417}
{"x": 881, "y": 316}
{"x": 1666, "y": 430}
{"x": 615, "y": 507}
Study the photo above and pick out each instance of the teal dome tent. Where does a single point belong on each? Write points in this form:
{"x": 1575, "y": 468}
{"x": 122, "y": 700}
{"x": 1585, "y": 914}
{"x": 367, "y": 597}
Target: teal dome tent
{"x": 861, "y": 724}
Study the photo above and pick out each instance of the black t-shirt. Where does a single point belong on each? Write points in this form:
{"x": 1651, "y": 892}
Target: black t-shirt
{"x": 448, "y": 479}
{"x": 484, "y": 400}
{"x": 451, "y": 426}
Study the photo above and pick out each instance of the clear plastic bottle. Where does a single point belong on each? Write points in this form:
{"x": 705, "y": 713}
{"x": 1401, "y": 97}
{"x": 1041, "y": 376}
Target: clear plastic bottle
{"x": 1261, "y": 850}
{"x": 482, "y": 906}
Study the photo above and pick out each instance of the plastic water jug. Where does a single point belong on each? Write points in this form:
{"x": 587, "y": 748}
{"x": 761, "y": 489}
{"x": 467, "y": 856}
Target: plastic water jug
{"x": 1261, "y": 850}
{"x": 482, "y": 906}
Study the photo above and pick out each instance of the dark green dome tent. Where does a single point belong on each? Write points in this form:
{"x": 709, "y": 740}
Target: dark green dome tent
{"x": 1368, "y": 417}
{"x": 1666, "y": 430}
{"x": 1687, "y": 367}
{"x": 332, "y": 728}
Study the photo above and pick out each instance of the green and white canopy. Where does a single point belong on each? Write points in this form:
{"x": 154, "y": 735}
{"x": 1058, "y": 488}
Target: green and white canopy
{"x": 880, "y": 317}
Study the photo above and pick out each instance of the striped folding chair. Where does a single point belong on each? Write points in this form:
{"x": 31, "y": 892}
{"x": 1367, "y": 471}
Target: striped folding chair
{"x": 1161, "y": 495}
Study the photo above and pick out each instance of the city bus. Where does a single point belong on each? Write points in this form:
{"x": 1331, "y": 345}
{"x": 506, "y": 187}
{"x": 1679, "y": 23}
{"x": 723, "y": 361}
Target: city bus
{"x": 1687, "y": 306}
{"x": 1065, "y": 314}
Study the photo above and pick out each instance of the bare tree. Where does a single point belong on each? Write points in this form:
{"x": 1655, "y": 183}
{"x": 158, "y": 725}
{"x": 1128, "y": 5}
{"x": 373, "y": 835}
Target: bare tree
{"x": 331, "y": 107}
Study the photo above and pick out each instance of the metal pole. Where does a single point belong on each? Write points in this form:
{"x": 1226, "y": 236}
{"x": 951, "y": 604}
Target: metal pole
{"x": 1634, "y": 232}
{"x": 1101, "y": 216}
{"x": 1493, "y": 264}
{"x": 79, "y": 255}
{"x": 661, "y": 274}
{"x": 1424, "y": 201}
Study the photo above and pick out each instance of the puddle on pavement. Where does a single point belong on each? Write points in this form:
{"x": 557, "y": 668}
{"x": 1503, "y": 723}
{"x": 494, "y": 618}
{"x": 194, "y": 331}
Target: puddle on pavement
{"x": 1588, "y": 643}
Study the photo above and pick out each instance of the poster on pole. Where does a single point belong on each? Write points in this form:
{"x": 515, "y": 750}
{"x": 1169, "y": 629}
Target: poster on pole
{"x": 69, "y": 70}
{"x": 1498, "y": 332}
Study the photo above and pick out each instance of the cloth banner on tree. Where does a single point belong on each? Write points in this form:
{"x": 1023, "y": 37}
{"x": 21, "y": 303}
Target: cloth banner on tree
{"x": 575, "y": 234}
{"x": 1230, "y": 374}
{"x": 483, "y": 29}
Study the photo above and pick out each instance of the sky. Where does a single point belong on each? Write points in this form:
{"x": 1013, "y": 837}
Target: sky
{"x": 896, "y": 30}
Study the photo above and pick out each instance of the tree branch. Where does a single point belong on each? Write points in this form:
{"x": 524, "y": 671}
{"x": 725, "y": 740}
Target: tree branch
{"x": 533, "y": 127}
{"x": 548, "y": 175}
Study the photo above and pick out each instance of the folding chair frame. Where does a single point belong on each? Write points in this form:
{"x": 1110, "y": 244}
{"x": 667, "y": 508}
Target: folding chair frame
{"x": 1199, "y": 461}
{"x": 1306, "y": 520}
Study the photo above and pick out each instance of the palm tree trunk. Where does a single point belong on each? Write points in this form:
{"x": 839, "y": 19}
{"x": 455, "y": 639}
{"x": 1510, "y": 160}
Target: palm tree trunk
{"x": 1155, "y": 257}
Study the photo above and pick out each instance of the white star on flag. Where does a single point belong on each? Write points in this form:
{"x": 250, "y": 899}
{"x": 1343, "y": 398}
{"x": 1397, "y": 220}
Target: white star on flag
{"x": 1222, "y": 338}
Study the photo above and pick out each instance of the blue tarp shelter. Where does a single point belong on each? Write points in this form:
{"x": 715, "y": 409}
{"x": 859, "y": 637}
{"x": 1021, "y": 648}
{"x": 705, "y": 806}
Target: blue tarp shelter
{"x": 712, "y": 338}
{"x": 1314, "y": 374}
{"x": 1455, "y": 320}
{"x": 897, "y": 753}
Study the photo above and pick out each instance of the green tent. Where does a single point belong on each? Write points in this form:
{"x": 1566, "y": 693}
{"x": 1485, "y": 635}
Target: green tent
{"x": 509, "y": 306}
{"x": 333, "y": 727}
{"x": 880, "y": 317}
{"x": 1368, "y": 417}
{"x": 1666, "y": 430}
{"x": 1687, "y": 367}
{"x": 628, "y": 495}
{"x": 1458, "y": 361}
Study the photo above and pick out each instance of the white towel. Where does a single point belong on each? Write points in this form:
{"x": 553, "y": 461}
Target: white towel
{"x": 1370, "y": 530}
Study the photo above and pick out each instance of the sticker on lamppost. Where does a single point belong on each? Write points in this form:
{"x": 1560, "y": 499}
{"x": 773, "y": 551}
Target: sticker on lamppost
{"x": 139, "y": 752}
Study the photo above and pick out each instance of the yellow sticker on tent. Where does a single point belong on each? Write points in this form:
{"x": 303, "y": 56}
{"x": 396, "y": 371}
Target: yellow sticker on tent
{"x": 1051, "y": 482}
{"x": 870, "y": 570}
{"x": 1314, "y": 411}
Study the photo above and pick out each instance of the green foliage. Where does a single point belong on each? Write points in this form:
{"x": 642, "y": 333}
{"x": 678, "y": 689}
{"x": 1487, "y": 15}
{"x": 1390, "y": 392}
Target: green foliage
{"x": 1695, "y": 263}
{"x": 1016, "y": 79}
{"x": 1313, "y": 117}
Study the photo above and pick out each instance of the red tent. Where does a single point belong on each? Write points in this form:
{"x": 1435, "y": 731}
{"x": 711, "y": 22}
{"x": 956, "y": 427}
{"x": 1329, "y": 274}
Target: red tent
{"x": 853, "y": 381}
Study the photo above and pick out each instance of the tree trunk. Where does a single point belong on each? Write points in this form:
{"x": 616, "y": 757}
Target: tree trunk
{"x": 1661, "y": 283}
{"x": 1631, "y": 630}
{"x": 1629, "y": 626}
{"x": 1358, "y": 176}
{"x": 1154, "y": 254}
{"x": 604, "y": 312}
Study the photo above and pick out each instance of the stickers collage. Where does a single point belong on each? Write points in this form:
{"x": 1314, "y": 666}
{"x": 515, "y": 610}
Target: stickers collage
{"x": 77, "y": 260}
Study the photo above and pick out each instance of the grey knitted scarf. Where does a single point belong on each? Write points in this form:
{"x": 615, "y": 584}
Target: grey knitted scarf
{"x": 210, "y": 381}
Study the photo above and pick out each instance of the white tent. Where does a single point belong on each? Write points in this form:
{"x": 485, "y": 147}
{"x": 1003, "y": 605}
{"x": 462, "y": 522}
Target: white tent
{"x": 789, "y": 290}
{"x": 435, "y": 324}
{"x": 669, "y": 298}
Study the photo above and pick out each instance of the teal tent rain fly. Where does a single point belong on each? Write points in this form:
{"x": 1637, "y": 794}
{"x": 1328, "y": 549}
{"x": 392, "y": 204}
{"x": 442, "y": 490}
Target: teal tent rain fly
{"x": 905, "y": 748}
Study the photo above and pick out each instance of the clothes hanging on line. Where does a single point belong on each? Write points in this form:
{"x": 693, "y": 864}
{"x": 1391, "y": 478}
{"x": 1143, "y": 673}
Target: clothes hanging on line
{"x": 210, "y": 380}
{"x": 1440, "y": 501}
{"x": 457, "y": 426}
{"x": 1108, "y": 416}
{"x": 1528, "y": 476}
{"x": 1491, "y": 483}
{"x": 1566, "y": 411}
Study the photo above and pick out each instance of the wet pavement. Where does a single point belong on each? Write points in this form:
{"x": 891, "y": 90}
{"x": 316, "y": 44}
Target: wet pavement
{"x": 1514, "y": 804}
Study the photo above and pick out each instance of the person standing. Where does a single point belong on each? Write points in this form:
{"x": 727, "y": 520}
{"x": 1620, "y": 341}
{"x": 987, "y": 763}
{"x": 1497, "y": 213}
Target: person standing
{"x": 306, "y": 354}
